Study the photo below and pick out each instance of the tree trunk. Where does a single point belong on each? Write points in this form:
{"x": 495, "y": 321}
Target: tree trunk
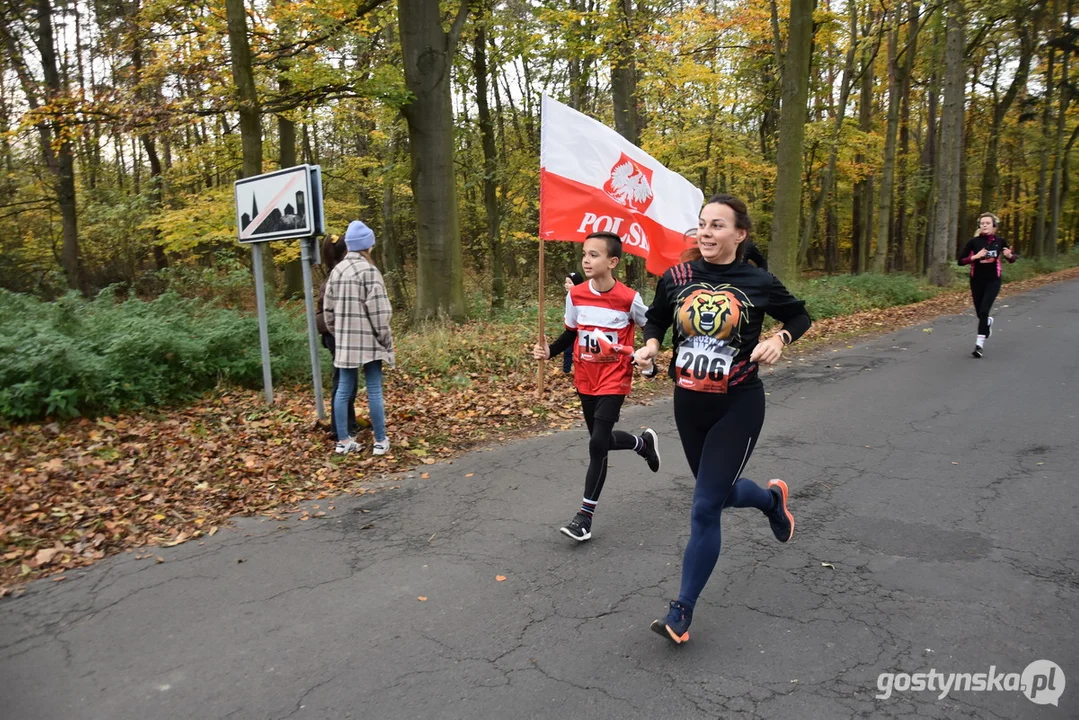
{"x": 392, "y": 257}
{"x": 1065, "y": 183}
{"x": 991, "y": 174}
{"x": 887, "y": 175}
{"x": 149, "y": 143}
{"x": 428, "y": 52}
{"x": 783, "y": 249}
{"x": 768, "y": 81}
{"x": 964, "y": 221}
{"x": 831, "y": 238}
{"x": 927, "y": 170}
{"x": 243, "y": 75}
{"x": 55, "y": 147}
{"x": 1056, "y": 198}
{"x": 861, "y": 234}
{"x": 65, "y": 162}
{"x": 950, "y": 147}
{"x": 901, "y": 230}
{"x": 624, "y": 97}
{"x": 580, "y": 64}
{"x": 826, "y": 197}
{"x": 510, "y": 256}
{"x": 286, "y": 138}
{"x": 490, "y": 167}
{"x": 1043, "y": 168}
{"x": 87, "y": 156}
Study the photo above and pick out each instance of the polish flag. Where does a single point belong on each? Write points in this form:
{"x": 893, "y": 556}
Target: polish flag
{"x": 594, "y": 180}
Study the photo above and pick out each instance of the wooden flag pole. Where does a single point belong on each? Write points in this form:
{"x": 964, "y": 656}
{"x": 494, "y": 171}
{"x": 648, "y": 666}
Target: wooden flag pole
{"x": 542, "y": 321}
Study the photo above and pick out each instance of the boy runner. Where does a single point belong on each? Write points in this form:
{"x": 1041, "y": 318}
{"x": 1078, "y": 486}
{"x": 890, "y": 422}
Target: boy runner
{"x": 600, "y": 319}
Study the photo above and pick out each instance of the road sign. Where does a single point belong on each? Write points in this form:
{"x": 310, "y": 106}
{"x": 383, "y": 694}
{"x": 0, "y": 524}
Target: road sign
{"x": 276, "y": 206}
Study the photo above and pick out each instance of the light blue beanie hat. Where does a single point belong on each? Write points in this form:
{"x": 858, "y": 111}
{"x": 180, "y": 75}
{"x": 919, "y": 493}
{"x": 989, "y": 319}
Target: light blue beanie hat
{"x": 359, "y": 237}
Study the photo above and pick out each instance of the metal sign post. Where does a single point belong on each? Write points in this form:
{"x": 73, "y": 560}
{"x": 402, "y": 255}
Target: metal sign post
{"x": 264, "y": 333}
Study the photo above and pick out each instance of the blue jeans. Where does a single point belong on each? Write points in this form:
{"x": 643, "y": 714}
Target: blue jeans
{"x": 328, "y": 343}
{"x": 346, "y": 387}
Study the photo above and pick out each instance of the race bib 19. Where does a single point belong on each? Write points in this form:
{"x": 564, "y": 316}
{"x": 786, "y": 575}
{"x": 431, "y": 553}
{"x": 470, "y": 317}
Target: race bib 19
{"x": 592, "y": 351}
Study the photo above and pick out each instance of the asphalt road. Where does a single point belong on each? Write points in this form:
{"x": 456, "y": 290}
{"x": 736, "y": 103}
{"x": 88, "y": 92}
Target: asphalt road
{"x": 939, "y": 489}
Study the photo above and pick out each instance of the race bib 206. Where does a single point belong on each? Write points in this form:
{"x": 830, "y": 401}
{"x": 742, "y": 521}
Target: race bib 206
{"x": 703, "y": 365}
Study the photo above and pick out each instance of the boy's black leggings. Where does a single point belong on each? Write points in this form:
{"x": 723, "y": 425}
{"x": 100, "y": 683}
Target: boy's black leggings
{"x": 600, "y": 415}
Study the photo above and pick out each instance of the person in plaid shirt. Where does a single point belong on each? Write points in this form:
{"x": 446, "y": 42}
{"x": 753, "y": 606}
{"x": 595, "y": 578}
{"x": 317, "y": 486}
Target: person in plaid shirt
{"x": 333, "y": 252}
{"x": 357, "y": 311}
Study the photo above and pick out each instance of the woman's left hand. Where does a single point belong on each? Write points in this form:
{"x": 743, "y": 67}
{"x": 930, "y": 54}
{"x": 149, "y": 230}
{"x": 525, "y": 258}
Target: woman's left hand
{"x": 768, "y": 351}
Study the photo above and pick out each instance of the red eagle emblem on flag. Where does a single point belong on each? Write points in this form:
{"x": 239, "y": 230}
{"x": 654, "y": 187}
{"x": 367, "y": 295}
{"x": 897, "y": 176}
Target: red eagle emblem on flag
{"x": 630, "y": 184}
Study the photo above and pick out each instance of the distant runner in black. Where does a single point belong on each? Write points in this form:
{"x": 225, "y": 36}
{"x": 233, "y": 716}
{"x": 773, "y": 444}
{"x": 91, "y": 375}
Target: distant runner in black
{"x": 983, "y": 254}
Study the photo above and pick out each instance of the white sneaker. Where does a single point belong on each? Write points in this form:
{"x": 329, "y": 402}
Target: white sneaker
{"x": 990, "y": 326}
{"x": 381, "y": 447}
{"x": 346, "y": 446}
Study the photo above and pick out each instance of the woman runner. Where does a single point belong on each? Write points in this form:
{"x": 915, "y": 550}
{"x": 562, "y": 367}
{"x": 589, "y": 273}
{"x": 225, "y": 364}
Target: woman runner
{"x": 717, "y": 304}
{"x": 983, "y": 254}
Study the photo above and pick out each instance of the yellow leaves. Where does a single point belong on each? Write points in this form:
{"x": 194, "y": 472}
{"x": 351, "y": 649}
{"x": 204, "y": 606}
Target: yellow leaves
{"x": 422, "y": 598}
{"x": 500, "y": 578}
{"x": 181, "y": 230}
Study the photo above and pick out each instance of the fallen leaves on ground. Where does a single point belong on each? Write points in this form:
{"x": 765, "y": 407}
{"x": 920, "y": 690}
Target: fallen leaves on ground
{"x": 74, "y": 492}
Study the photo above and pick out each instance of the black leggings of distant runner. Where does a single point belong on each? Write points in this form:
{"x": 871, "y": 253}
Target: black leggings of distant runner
{"x": 984, "y": 291}
{"x": 600, "y": 415}
{"x": 718, "y": 434}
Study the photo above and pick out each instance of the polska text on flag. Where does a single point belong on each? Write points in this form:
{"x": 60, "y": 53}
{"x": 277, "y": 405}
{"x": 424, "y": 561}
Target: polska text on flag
{"x": 594, "y": 180}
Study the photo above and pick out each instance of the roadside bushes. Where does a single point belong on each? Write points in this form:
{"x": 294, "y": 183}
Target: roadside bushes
{"x": 81, "y": 357}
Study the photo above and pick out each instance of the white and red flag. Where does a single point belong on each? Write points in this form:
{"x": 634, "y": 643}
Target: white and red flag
{"x": 594, "y": 180}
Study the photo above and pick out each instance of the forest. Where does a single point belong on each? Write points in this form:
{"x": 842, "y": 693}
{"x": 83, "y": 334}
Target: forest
{"x": 866, "y": 137}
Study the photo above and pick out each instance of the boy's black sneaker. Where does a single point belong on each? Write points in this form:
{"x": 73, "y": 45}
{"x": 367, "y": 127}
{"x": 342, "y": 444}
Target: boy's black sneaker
{"x": 977, "y": 352}
{"x": 674, "y": 627}
{"x": 579, "y": 528}
{"x": 651, "y": 449}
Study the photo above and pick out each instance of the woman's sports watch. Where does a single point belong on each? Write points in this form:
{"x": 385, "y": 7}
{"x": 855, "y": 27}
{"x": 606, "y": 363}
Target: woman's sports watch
{"x": 785, "y": 337}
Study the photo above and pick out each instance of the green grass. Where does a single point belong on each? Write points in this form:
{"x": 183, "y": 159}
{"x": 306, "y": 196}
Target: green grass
{"x": 846, "y": 294}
